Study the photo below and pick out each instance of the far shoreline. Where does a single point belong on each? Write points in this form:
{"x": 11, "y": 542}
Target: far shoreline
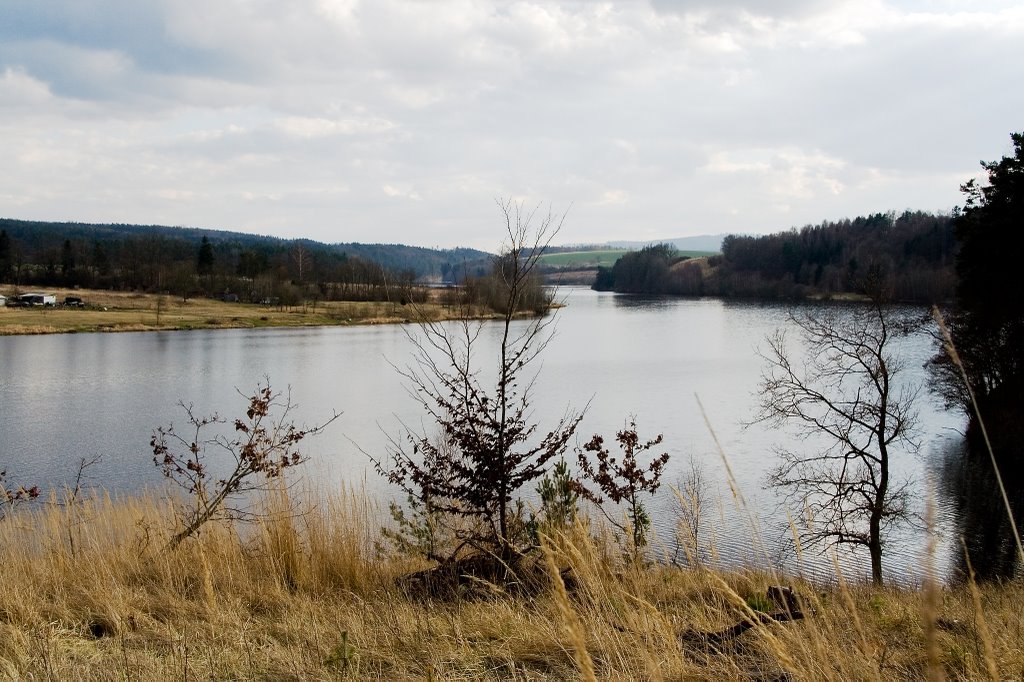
{"x": 119, "y": 311}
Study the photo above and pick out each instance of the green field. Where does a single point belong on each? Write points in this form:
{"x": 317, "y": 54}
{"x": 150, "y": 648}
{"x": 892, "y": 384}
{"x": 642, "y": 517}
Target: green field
{"x": 581, "y": 259}
{"x": 606, "y": 257}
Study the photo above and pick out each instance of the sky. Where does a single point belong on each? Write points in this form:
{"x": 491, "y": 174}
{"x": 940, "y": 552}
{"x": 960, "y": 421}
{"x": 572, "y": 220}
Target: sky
{"x": 406, "y": 121}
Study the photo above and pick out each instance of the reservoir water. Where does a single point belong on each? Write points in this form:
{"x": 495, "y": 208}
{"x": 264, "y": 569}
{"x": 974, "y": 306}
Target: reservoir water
{"x": 70, "y": 396}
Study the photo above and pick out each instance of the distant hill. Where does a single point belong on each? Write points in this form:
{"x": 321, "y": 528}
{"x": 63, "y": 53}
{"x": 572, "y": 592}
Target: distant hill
{"x": 42, "y": 242}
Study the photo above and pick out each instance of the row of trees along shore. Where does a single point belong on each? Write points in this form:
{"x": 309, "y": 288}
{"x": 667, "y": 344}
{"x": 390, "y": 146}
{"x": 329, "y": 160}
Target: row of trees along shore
{"x": 189, "y": 263}
{"x": 912, "y": 255}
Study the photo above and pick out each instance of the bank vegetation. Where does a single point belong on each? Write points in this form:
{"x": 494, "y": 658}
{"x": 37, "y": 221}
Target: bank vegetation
{"x": 312, "y": 592}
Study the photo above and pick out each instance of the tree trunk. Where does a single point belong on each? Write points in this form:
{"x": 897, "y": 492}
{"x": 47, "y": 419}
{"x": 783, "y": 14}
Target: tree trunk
{"x": 875, "y": 522}
{"x": 875, "y": 548}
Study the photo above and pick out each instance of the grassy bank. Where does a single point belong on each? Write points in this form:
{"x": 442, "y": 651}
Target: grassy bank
{"x": 88, "y": 592}
{"x": 107, "y": 311}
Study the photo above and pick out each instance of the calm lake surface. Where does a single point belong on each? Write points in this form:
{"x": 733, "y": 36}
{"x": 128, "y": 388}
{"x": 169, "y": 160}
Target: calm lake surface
{"x": 71, "y": 396}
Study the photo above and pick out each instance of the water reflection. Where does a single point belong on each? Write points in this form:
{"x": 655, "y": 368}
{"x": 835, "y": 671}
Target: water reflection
{"x": 971, "y": 492}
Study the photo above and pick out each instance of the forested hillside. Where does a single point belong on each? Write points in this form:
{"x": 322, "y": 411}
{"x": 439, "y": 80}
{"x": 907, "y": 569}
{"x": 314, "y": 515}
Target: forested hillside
{"x": 912, "y": 254}
{"x": 189, "y": 261}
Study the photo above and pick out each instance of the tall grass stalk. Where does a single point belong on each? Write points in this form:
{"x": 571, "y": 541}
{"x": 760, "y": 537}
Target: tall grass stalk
{"x": 757, "y": 536}
{"x": 980, "y": 622}
{"x": 572, "y": 623}
{"x": 931, "y": 603}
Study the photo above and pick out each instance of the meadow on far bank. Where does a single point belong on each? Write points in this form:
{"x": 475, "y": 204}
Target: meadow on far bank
{"x": 116, "y": 311}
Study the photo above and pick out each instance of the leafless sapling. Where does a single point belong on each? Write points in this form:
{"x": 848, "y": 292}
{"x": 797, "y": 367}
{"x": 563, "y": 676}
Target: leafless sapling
{"x": 691, "y": 491}
{"x": 72, "y": 494}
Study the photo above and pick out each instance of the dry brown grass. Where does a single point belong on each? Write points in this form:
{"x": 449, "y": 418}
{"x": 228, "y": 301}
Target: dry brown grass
{"x": 131, "y": 311}
{"x": 87, "y": 592}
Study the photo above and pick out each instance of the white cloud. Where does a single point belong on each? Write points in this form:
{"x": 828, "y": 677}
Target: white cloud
{"x": 304, "y": 126}
{"x": 727, "y": 162}
{"x": 613, "y": 196}
{"x": 19, "y": 88}
{"x": 398, "y": 193}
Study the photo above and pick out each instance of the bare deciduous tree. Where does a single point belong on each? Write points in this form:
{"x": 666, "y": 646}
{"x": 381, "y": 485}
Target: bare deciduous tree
{"x": 845, "y": 390}
{"x": 488, "y": 447}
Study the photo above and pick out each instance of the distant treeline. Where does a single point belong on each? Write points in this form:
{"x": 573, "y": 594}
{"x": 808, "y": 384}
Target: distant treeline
{"x": 912, "y": 255}
{"x": 190, "y": 262}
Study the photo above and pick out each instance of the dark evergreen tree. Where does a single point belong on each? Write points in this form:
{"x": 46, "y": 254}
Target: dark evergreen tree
{"x": 251, "y": 263}
{"x": 67, "y": 259}
{"x": 988, "y": 325}
{"x": 204, "y": 264}
{"x": 5, "y": 255}
{"x": 100, "y": 260}
{"x": 604, "y": 280}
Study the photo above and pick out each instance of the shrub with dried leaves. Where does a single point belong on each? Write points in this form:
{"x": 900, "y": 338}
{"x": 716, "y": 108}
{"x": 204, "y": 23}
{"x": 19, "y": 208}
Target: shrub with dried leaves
{"x": 263, "y": 447}
{"x": 9, "y": 497}
{"x": 625, "y": 481}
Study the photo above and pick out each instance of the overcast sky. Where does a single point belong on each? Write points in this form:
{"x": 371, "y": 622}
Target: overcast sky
{"x": 403, "y": 120}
